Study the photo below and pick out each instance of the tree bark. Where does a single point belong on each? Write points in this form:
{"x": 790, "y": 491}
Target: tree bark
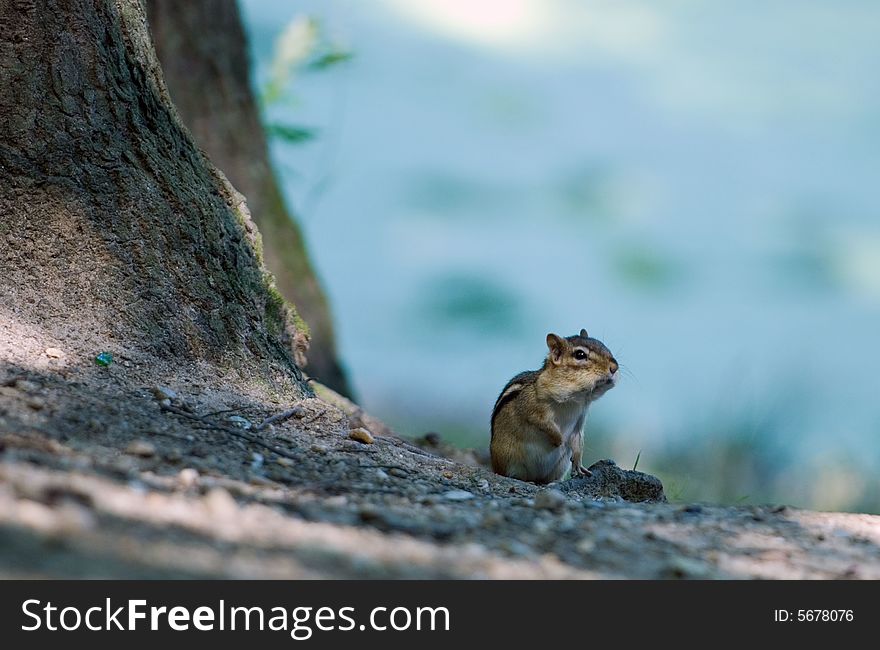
{"x": 115, "y": 231}
{"x": 202, "y": 47}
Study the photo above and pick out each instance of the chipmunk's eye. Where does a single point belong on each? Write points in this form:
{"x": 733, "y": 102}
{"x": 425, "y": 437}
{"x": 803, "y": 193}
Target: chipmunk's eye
{"x": 580, "y": 355}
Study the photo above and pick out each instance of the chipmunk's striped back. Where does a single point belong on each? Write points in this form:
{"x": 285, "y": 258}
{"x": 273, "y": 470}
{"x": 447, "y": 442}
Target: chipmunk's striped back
{"x": 510, "y": 391}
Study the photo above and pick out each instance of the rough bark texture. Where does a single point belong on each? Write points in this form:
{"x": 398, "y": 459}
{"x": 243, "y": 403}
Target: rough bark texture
{"x": 202, "y": 47}
{"x": 115, "y": 231}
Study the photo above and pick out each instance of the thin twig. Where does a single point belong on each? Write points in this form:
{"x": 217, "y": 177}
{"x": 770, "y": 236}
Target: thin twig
{"x": 279, "y": 417}
{"x": 232, "y": 432}
{"x": 213, "y": 413}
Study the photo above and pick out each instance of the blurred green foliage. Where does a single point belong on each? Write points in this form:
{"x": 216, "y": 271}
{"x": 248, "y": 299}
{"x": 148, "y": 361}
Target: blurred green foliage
{"x": 302, "y": 47}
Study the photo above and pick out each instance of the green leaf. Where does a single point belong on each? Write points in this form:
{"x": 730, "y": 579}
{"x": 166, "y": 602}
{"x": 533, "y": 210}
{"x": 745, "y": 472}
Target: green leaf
{"x": 291, "y": 134}
{"x": 329, "y": 60}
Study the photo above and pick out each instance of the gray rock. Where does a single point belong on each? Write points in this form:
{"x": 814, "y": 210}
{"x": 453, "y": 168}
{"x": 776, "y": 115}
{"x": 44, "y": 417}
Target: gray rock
{"x": 141, "y": 448}
{"x": 458, "y": 495}
{"x": 240, "y": 422}
{"x": 612, "y": 483}
{"x": 549, "y": 499}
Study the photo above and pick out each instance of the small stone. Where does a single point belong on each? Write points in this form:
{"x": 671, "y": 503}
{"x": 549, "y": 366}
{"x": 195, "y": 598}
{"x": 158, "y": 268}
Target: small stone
{"x": 257, "y": 461}
{"x": 284, "y": 462}
{"x": 549, "y": 499}
{"x": 361, "y": 435}
{"x": 458, "y": 495}
{"x": 37, "y": 403}
{"x": 381, "y": 475}
{"x": 240, "y": 422}
{"x": 399, "y": 473}
{"x": 163, "y": 392}
{"x": 586, "y": 545}
{"x": 104, "y": 359}
{"x": 165, "y": 402}
{"x": 448, "y": 474}
{"x": 187, "y": 477}
{"x": 54, "y": 353}
{"x": 141, "y": 448}
{"x": 483, "y": 484}
{"x": 319, "y": 449}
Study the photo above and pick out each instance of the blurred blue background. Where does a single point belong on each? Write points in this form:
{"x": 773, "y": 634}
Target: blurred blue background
{"x": 695, "y": 183}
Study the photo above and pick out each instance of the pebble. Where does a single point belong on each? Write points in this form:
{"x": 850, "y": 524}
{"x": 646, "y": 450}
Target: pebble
{"x": 188, "y": 477}
{"x": 381, "y": 474}
{"x": 284, "y": 462}
{"x": 37, "y": 403}
{"x": 162, "y": 392}
{"x": 549, "y": 499}
{"x": 165, "y": 402}
{"x": 257, "y": 461}
{"x": 458, "y": 495}
{"x": 319, "y": 449}
{"x": 399, "y": 473}
{"x": 54, "y": 353}
{"x": 586, "y": 545}
{"x": 483, "y": 484}
{"x": 242, "y": 423}
{"x": 141, "y": 448}
{"x": 448, "y": 474}
{"x": 361, "y": 435}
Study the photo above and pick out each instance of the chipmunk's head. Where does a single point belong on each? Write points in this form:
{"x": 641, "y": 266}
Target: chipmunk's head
{"x": 579, "y": 364}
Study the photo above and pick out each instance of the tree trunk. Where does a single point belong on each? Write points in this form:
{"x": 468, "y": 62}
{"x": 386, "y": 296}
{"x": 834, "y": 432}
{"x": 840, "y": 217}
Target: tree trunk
{"x": 116, "y": 233}
{"x": 202, "y": 47}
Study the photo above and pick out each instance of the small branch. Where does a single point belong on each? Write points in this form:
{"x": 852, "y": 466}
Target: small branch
{"x": 232, "y": 432}
{"x": 280, "y": 417}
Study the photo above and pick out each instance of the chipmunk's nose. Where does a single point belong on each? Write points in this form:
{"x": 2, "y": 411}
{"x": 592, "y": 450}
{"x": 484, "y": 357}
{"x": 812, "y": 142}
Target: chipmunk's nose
{"x": 612, "y": 367}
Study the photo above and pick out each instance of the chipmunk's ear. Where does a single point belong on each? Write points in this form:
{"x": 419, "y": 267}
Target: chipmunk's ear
{"x": 584, "y": 334}
{"x": 557, "y": 347}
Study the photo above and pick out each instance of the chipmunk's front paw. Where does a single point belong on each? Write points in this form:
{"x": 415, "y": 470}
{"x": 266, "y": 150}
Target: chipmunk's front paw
{"x": 580, "y": 470}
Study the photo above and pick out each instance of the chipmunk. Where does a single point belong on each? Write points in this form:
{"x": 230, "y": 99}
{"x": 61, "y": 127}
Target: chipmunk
{"x": 538, "y": 419}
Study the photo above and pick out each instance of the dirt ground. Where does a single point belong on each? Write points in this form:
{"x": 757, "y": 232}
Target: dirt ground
{"x": 139, "y": 471}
